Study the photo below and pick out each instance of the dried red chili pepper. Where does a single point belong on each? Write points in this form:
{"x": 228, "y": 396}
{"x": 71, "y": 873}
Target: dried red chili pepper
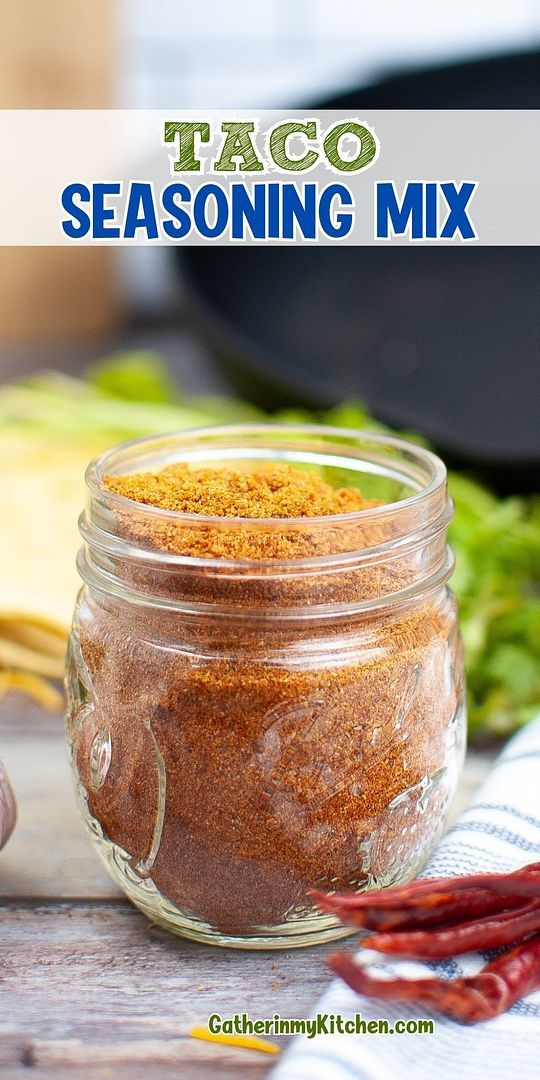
{"x": 471, "y": 999}
{"x": 432, "y": 909}
{"x": 517, "y": 882}
{"x": 392, "y": 896}
{"x": 525, "y": 882}
{"x": 487, "y": 933}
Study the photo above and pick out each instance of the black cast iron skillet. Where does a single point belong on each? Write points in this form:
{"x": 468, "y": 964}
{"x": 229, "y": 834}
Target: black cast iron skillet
{"x": 446, "y": 342}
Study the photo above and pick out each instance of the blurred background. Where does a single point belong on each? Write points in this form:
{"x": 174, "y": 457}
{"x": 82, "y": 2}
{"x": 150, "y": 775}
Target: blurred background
{"x": 206, "y": 311}
{"x": 157, "y": 53}
{"x": 443, "y": 344}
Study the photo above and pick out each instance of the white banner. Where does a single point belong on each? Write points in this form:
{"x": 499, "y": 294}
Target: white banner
{"x": 208, "y": 177}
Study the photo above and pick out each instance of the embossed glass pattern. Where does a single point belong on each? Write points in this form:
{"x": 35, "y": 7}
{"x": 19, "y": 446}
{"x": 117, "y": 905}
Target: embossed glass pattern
{"x": 243, "y": 731}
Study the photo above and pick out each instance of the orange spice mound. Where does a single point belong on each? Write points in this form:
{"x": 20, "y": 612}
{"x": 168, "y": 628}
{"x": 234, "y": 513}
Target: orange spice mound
{"x": 264, "y": 493}
{"x": 276, "y": 491}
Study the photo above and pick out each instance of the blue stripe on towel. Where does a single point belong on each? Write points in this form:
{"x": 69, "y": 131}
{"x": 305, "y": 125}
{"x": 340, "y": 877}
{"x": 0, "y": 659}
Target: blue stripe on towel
{"x": 499, "y": 833}
{"x": 505, "y": 809}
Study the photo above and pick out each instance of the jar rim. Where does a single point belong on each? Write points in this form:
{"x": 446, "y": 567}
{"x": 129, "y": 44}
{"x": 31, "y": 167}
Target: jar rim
{"x": 96, "y": 471}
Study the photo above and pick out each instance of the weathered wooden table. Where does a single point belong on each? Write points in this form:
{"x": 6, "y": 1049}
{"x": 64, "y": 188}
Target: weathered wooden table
{"x": 87, "y": 984}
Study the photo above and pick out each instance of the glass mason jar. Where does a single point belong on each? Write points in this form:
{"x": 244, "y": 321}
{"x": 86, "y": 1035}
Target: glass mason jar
{"x": 244, "y": 730}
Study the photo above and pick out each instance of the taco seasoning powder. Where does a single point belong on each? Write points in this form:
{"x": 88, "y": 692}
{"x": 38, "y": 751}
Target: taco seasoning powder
{"x": 265, "y": 687}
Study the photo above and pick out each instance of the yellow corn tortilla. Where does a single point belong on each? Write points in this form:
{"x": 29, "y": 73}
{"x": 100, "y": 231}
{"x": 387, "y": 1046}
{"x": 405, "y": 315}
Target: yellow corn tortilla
{"x": 42, "y": 493}
{"x": 41, "y": 497}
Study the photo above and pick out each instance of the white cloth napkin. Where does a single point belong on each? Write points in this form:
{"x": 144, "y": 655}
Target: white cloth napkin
{"x": 499, "y": 832}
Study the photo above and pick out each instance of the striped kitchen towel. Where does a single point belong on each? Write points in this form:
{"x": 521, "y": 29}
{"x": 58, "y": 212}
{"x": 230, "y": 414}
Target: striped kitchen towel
{"x": 499, "y": 832}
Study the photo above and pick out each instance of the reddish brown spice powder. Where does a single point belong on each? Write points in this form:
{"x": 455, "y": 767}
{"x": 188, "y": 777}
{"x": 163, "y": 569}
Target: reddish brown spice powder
{"x": 297, "y": 754}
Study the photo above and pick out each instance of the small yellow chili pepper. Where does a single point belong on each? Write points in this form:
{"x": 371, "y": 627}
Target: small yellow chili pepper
{"x": 248, "y": 1042}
